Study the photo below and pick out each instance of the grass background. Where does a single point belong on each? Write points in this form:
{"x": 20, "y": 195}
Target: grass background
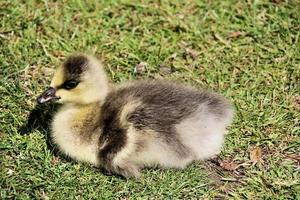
{"x": 248, "y": 51}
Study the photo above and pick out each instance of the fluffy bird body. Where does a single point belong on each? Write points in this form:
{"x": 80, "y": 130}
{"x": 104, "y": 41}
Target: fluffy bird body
{"x": 141, "y": 124}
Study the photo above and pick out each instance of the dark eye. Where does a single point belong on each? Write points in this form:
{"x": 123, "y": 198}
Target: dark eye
{"x": 70, "y": 84}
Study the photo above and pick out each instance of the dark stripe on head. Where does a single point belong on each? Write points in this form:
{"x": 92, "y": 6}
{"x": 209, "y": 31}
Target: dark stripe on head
{"x": 74, "y": 66}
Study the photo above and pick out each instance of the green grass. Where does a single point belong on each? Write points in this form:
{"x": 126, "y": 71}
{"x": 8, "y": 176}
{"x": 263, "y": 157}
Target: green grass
{"x": 248, "y": 51}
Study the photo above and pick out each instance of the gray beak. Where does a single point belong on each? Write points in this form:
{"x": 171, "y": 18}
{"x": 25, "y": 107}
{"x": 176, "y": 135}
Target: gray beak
{"x": 47, "y": 95}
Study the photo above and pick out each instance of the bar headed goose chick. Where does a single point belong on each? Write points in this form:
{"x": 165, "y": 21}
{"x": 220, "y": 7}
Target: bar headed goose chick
{"x": 125, "y": 128}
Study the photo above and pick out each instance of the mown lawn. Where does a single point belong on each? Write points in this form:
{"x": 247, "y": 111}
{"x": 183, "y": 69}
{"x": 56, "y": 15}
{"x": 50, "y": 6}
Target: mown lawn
{"x": 248, "y": 51}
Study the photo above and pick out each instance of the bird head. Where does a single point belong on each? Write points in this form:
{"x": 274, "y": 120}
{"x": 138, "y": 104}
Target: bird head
{"x": 80, "y": 80}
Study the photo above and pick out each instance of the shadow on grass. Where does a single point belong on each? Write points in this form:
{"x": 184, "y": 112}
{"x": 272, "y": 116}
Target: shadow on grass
{"x": 40, "y": 119}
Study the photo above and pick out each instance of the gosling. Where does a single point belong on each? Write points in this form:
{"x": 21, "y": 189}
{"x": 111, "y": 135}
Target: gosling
{"x": 125, "y": 128}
